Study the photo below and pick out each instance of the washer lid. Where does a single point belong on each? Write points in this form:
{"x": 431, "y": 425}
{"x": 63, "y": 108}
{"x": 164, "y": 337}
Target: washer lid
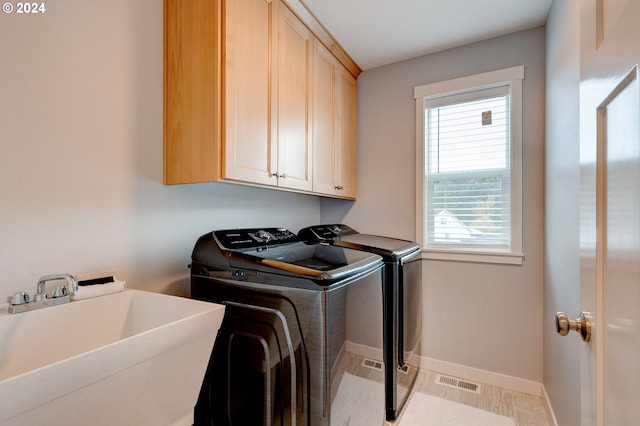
{"x": 384, "y": 246}
{"x": 316, "y": 261}
{"x": 342, "y": 235}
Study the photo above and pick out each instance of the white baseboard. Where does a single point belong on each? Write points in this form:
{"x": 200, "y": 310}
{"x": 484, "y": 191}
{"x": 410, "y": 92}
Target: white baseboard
{"x": 496, "y": 379}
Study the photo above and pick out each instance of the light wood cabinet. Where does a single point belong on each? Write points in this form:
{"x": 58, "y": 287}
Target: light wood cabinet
{"x": 334, "y": 126}
{"x": 239, "y": 96}
{"x": 247, "y": 105}
{"x": 295, "y": 47}
{"x": 267, "y": 69}
{"x": 347, "y": 134}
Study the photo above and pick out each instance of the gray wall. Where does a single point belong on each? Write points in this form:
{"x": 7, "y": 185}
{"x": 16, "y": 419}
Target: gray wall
{"x": 483, "y": 316}
{"x": 562, "y": 239}
{"x": 81, "y": 154}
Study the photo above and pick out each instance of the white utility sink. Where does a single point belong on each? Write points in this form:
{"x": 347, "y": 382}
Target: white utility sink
{"x": 129, "y": 358}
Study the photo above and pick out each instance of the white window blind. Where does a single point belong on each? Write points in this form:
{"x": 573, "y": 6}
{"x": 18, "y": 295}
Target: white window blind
{"x": 467, "y": 143}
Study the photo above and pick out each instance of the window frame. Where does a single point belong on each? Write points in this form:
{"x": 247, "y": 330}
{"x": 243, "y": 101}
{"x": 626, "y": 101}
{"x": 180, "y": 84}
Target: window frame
{"x": 511, "y": 77}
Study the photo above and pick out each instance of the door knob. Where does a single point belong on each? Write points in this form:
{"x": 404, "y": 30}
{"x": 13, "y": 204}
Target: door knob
{"x": 582, "y": 325}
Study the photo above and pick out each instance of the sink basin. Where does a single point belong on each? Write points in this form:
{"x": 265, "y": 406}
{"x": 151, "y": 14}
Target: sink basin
{"x": 130, "y": 358}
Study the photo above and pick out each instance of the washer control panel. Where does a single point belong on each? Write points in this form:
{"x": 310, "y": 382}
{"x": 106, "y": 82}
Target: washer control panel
{"x": 234, "y": 239}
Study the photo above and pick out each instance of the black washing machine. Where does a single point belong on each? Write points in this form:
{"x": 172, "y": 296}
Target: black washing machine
{"x": 284, "y": 354}
{"x": 402, "y": 317}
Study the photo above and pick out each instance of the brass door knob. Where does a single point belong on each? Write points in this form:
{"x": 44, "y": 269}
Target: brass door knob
{"x": 582, "y": 325}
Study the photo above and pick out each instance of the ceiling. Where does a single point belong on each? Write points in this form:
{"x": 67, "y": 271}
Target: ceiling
{"x": 377, "y": 32}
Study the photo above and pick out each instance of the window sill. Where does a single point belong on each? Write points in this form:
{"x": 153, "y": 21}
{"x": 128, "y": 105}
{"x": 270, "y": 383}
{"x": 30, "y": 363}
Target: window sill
{"x": 473, "y": 256}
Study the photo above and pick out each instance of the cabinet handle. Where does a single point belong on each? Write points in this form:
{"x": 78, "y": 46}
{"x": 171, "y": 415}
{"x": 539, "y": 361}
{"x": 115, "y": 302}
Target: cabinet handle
{"x": 339, "y": 187}
{"x": 276, "y": 174}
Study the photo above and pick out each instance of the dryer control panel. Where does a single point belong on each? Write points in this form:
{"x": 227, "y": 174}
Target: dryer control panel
{"x": 325, "y": 233}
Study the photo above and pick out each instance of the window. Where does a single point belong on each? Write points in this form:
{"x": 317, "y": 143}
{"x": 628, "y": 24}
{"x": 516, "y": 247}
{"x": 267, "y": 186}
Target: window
{"x": 469, "y": 137}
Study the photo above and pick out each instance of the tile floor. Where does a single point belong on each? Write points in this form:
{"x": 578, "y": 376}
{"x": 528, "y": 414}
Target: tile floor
{"x": 524, "y": 409}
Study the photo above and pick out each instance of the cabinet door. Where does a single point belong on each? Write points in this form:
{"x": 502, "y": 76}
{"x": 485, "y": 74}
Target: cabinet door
{"x": 334, "y": 126}
{"x": 346, "y": 99}
{"x": 248, "y": 42}
{"x": 295, "y": 44}
{"x": 324, "y": 120}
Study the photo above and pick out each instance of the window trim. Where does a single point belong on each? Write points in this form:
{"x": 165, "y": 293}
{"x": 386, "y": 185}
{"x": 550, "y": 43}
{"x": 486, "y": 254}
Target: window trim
{"x": 513, "y": 78}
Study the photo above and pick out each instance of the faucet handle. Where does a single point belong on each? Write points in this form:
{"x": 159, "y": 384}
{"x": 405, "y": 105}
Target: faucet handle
{"x": 59, "y": 291}
{"x": 20, "y": 298}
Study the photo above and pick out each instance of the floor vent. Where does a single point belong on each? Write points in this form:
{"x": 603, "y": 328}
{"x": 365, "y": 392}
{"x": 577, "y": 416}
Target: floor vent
{"x": 452, "y": 382}
{"x": 370, "y": 363}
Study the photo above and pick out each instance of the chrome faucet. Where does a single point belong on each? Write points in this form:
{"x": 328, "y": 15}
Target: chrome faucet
{"x": 72, "y": 285}
{"x": 20, "y": 301}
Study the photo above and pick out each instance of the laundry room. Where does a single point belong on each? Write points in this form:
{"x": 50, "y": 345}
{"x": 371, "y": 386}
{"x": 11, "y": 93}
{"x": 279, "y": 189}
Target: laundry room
{"x": 87, "y": 183}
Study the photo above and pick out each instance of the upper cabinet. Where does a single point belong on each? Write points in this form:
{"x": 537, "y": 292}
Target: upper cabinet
{"x": 242, "y": 85}
{"x": 334, "y": 126}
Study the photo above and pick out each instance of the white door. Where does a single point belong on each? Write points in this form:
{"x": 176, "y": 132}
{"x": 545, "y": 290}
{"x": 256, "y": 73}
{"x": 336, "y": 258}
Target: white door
{"x": 610, "y": 210}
